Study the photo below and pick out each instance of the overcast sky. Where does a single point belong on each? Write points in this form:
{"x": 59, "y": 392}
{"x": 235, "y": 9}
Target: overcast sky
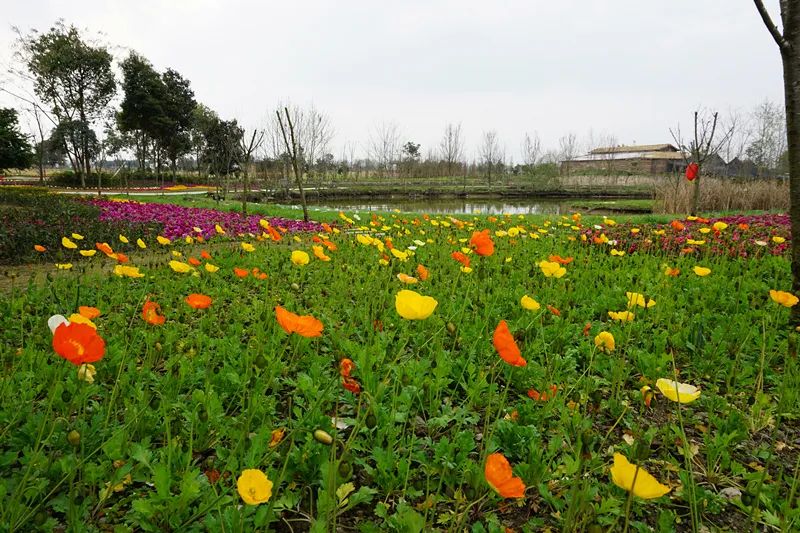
{"x": 629, "y": 68}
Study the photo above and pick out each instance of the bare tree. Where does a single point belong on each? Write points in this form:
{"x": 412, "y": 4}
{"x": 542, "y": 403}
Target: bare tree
{"x": 246, "y": 151}
{"x": 740, "y": 137}
{"x": 567, "y": 150}
{"x": 384, "y": 145}
{"x": 491, "y": 153}
{"x": 531, "y": 149}
{"x": 768, "y": 137}
{"x": 789, "y": 45}
{"x": 292, "y": 150}
{"x": 451, "y": 147}
{"x": 706, "y": 142}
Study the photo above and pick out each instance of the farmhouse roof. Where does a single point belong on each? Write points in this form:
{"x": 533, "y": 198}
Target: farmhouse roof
{"x": 635, "y": 148}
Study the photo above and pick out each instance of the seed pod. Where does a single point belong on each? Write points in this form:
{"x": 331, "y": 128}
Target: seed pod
{"x": 323, "y": 437}
{"x": 295, "y": 287}
{"x": 74, "y": 438}
{"x": 345, "y": 468}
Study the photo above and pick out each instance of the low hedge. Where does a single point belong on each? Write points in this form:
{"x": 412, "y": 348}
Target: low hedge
{"x": 32, "y": 215}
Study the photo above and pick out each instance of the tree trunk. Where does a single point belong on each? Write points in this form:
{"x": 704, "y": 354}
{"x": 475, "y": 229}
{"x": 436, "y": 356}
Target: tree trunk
{"x": 695, "y": 194}
{"x": 791, "y": 86}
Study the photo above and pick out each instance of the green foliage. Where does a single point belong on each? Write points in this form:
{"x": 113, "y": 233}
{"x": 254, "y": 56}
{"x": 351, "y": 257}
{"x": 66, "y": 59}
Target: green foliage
{"x": 15, "y": 151}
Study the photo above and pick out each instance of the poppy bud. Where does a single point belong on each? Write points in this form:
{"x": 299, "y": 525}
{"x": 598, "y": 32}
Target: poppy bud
{"x": 323, "y": 437}
{"x": 203, "y": 415}
{"x": 295, "y": 287}
{"x": 345, "y": 469}
{"x": 371, "y": 421}
{"x": 159, "y": 347}
{"x": 74, "y": 438}
{"x": 260, "y": 362}
{"x": 451, "y": 328}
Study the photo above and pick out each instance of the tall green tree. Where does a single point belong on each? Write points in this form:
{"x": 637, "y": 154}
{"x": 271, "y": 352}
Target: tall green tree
{"x": 178, "y": 117}
{"x": 141, "y": 111}
{"x": 15, "y": 151}
{"x": 75, "y": 79}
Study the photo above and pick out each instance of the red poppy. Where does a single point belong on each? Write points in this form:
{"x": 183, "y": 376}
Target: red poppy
{"x": 553, "y": 310}
{"x": 560, "y": 260}
{"x": 305, "y": 326}
{"x": 501, "y": 478}
{"x": 506, "y": 346}
{"x": 241, "y": 272}
{"x": 692, "y": 170}
{"x": 422, "y": 273}
{"x": 351, "y": 384}
{"x": 461, "y": 258}
{"x": 198, "y": 301}
{"x": 205, "y": 255}
{"x": 194, "y": 261}
{"x": 151, "y": 313}
{"x": 481, "y": 243}
{"x": 78, "y": 343}
{"x": 346, "y": 367}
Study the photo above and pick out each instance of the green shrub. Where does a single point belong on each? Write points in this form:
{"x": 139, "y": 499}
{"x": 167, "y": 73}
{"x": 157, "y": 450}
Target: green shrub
{"x": 31, "y": 215}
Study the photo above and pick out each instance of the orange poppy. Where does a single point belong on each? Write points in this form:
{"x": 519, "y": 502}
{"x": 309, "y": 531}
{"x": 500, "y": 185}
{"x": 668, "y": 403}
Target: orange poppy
{"x": 104, "y": 247}
{"x": 241, "y": 272}
{"x": 677, "y": 225}
{"x": 506, "y": 346}
{"x": 194, "y": 261}
{"x": 461, "y": 258}
{"x": 351, "y": 384}
{"x": 687, "y": 250}
{"x": 273, "y": 233}
{"x": 205, "y": 255}
{"x": 39, "y": 248}
{"x": 78, "y": 343}
{"x": 560, "y": 260}
{"x": 673, "y": 272}
{"x": 198, "y": 301}
{"x": 316, "y": 239}
{"x": 88, "y": 312}
{"x": 586, "y": 329}
{"x": 501, "y": 478}
{"x": 121, "y": 258}
{"x": 330, "y": 246}
{"x": 327, "y": 228}
{"x": 258, "y": 274}
{"x": 151, "y": 313}
{"x": 553, "y": 310}
{"x": 389, "y": 244}
{"x": 422, "y": 273}
{"x": 543, "y": 396}
{"x": 481, "y": 243}
{"x": 346, "y": 367}
{"x": 305, "y": 326}
{"x": 743, "y": 226}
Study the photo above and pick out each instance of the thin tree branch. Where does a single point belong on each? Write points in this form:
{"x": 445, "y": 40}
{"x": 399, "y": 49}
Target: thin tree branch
{"x": 782, "y": 43}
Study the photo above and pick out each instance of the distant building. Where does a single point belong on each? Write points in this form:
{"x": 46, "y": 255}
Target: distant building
{"x": 642, "y": 159}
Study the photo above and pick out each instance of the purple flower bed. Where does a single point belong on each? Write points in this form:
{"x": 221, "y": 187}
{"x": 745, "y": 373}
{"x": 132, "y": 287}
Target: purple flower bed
{"x": 179, "y": 221}
{"x": 745, "y": 236}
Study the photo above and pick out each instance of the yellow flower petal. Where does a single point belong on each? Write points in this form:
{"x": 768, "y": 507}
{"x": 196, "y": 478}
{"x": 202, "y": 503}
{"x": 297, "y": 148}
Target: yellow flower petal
{"x": 636, "y": 479}
{"x": 678, "y": 392}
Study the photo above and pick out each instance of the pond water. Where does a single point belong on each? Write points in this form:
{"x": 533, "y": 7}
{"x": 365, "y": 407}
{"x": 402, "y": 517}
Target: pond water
{"x": 455, "y": 206}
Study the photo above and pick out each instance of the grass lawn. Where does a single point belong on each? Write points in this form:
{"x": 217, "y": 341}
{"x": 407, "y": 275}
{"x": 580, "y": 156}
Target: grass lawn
{"x": 385, "y": 423}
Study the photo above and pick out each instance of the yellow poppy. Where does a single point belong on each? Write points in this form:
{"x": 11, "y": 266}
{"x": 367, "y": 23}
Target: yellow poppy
{"x": 87, "y": 253}
{"x": 529, "y": 303}
{"x": 123, "y": 239}
{"x": 552, "y": 269}
{"x": 163, "y": 240}
{"x": 127, "y": 271}
{"x": 634, "y": 299}
{"x": 300, "y": 258}
{"x": 178, "y": 266}
{"x": 786, "y": 299}
{"x": 211, "y": 268}
{"x": 414, "y": 306}
{"x": 63, "y": 266}
{"x": 678, "y": 392}
{"x": 635, "y": 479}
{"x": 619, "y": 253}
{"x": 622, "y": 316}
{"x": 140, "y": 243}
{"x": 604, "y": 341}
{"x": 778, "y": 240}
{"x": 405, "y": 278}
{"x": 66, "y": 243}
{"x": 247, "y": 247}
{"x": 701, "y": 271}
{"x": 402, "y": 256}
{"x": 254, "y": 487}
{"x": 219, "y": 229}
{"x": 77, "y": 236}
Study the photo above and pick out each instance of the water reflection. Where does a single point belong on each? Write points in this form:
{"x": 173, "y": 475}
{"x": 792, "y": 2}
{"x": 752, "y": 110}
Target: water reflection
{"x": 451, "y": 206}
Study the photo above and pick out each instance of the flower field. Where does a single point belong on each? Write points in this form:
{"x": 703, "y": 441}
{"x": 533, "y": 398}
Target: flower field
{"x": 402, "y": 373}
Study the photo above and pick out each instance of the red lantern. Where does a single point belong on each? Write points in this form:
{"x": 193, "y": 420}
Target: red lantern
{"x": 692, "y": 169}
